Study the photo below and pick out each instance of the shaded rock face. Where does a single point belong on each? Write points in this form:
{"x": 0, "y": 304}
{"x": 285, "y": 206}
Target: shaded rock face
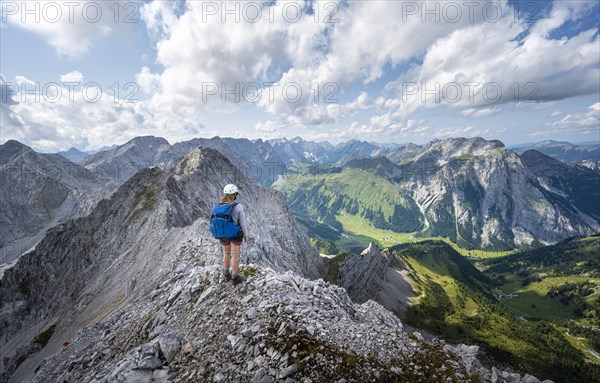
{"x": 39, "y": 191}
{"x": 372, "y": 275}
{"x": 87, "y": 267}
{"x": 361, "y": 274}
{"x": 274, "y": 327}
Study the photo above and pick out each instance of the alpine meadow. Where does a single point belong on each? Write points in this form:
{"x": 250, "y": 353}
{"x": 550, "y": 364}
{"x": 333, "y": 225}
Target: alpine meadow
{"x": 300, "y": 191}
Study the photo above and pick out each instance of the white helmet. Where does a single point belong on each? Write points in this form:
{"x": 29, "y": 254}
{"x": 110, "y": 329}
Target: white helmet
{"x": 230, "y": 189}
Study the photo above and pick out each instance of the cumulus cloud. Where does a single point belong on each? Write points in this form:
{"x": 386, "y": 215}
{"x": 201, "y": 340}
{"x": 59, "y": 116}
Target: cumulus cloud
{"x": 70, "y": 27}
{"x": 75, "y": 77}
{"x": 587, "y": 121}
{"x": 506, "y": 61}
{"x": 87, "y": 118}
{"x": 324, "y": 48}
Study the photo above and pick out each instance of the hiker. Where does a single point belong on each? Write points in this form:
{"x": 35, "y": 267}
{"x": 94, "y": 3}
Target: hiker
{"x": 228, "y": 224}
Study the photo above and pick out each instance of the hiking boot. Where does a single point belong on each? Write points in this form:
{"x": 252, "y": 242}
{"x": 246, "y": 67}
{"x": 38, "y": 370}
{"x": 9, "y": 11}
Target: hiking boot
{"x": 237, "y": 280}
{"x": 227, "y": 277}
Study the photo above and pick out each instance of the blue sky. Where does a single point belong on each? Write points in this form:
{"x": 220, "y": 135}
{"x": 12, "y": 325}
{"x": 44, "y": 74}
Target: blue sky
{"x": 394, "y": 71}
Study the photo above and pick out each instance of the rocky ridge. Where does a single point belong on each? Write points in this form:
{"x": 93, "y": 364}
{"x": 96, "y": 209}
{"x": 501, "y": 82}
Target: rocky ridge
{"x": 275, "y": 327}
{"x": 86, "y": 268}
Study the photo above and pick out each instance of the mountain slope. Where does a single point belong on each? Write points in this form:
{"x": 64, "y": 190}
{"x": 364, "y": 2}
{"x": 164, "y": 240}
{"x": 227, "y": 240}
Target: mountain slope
{"x": 332, "y": 194}
{"x": 575, "y": 189}
{"x": 37, "y": 192}
{"x": 87, "y": 267}
{"x": 300, "y": 151}
{"x": 257, "y": 160}
{"x": 74, "y": 155}
{"x": 449, "y": 297}
{"x": 474, "y": 192}
{"x": 123, "y": 162}
{"x": 479, "y": 194}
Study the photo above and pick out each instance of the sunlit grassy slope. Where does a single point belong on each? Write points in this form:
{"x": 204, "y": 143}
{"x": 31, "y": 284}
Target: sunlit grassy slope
{"x": 352, "y": 207}
{"x": 457, "y": 302}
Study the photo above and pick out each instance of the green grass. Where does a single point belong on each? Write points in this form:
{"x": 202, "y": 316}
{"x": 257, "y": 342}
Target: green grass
{"x": 435, "y": 273}
{"x": 249, "y": 271}
{"x": 532, "y": 300}
{"x": 454, "y": 303}
{"x": 362, "y": 231}
{"x": 582, "y": 345}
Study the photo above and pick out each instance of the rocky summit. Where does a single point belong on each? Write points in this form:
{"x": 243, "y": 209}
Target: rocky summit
{"x": 275, "y": 327}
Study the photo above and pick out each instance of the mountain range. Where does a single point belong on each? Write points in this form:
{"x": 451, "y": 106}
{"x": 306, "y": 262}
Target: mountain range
{"x": 39, "y": 191}
{"x": 130, "y": 292}
{"x": 564, "y": 151}
{"x": 476, "y": 193}
{"x": 122, "y": 283}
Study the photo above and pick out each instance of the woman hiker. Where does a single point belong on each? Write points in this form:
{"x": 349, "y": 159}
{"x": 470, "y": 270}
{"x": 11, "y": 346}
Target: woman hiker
{"x": 228, "y": 224}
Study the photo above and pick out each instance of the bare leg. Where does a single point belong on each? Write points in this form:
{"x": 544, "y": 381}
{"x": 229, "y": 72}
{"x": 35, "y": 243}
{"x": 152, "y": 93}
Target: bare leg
{"x": 235, "y": 255}
{"x": 226, "y": 256}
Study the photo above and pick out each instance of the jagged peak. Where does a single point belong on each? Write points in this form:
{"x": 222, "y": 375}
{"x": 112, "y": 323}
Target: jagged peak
{"x": 371, "y": 250}
{"x": 204, "y": 157}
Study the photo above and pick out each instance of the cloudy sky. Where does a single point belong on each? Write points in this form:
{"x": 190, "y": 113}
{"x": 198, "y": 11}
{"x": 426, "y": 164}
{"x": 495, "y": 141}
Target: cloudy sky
{"x": 95, "y": 73}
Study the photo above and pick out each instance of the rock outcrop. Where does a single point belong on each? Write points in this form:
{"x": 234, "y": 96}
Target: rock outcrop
{"x": 378, "y": 276}
{"x": 275, "y": 327}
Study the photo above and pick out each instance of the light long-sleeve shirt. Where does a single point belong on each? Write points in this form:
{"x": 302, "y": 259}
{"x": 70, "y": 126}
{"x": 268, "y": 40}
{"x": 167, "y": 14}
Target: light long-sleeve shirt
{"x": 239, "y": 218}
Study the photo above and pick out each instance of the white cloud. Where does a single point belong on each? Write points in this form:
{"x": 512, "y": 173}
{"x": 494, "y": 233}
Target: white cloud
{"x": 53, "y": 121}
{"x": 74, "y": 76}
{"x": 69, "y": 27}
{"x": 587, "y": 121}
{"x": 486, "y": 64}
{"x": 368, "y": 38}
{"x": 474, "y": 112}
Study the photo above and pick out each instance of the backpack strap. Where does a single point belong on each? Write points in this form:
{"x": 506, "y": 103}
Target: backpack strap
{"x": 231, "y": 206}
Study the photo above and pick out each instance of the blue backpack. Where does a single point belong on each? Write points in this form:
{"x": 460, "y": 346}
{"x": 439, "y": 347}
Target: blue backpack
{"x": 221, "y": 221}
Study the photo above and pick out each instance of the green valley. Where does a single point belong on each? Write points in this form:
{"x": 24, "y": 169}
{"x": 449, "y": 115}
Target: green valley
{"x": 515, "y": 324}
{"x": 336, "y": 207}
